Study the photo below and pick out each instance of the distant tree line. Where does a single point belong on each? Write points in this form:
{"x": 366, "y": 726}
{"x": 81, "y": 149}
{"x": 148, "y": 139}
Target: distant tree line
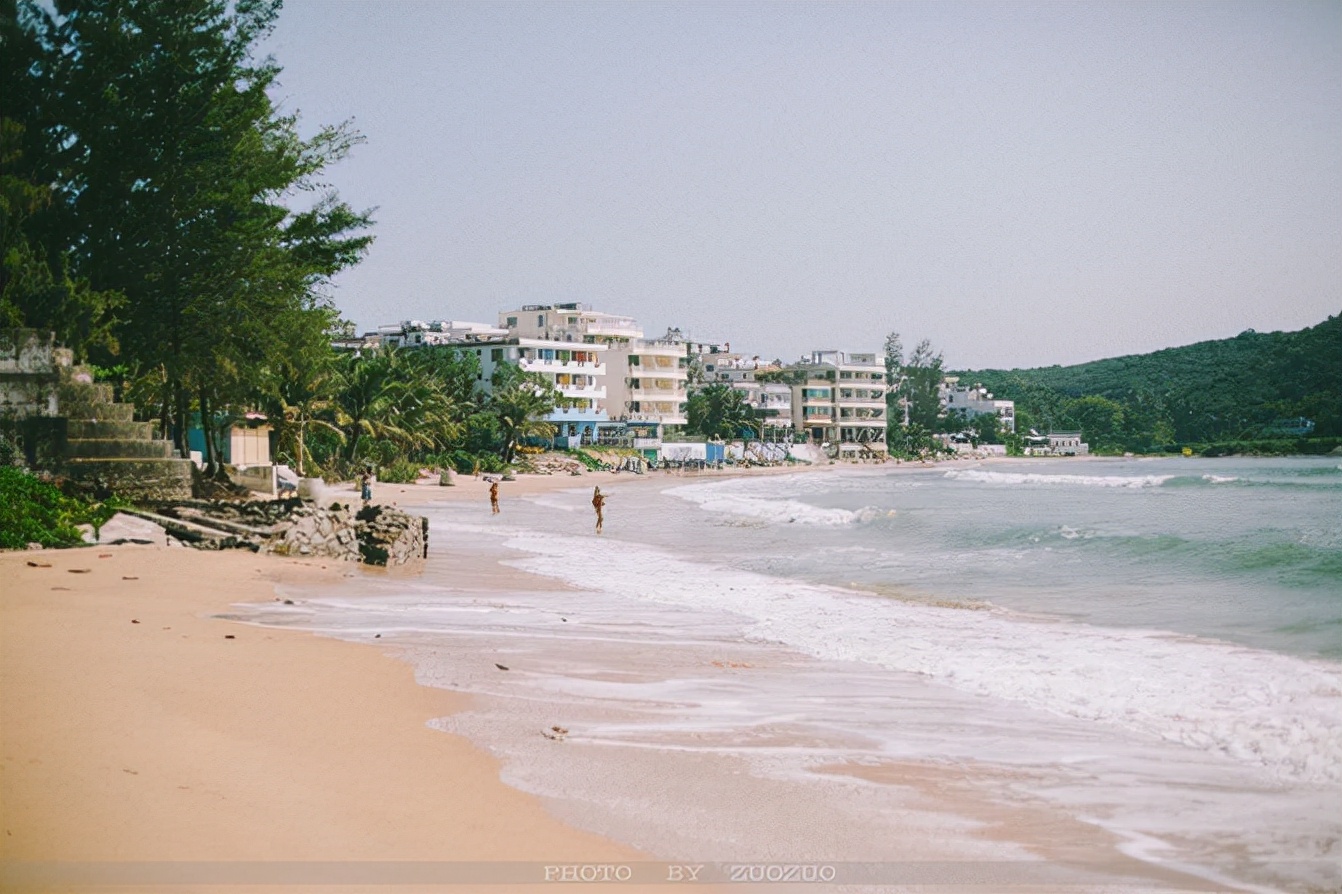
{"x": 1224, "y": 392}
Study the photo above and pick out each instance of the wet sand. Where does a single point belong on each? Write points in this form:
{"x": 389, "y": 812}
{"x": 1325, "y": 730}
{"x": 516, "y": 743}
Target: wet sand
{"x": 139, "y": 727}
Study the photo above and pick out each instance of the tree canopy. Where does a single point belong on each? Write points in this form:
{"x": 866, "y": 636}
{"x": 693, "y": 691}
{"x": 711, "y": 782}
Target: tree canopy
{"x": 1224, "y": 390}
{"x": 913, "y": 401}
{"x": 720, "y": 411}
{"x": 152, "y": 165}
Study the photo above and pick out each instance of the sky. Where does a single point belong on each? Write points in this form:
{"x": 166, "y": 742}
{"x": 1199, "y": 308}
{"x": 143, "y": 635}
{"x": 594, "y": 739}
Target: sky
{"x": 1022, "y": 185}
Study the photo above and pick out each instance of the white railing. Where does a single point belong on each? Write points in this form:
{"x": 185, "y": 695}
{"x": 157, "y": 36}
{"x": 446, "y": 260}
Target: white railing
{"x": 582, "y": 367}
{"x": 584, "y": 391}
{"x": 588, "y": 413}
{"x": 645, "y": 392}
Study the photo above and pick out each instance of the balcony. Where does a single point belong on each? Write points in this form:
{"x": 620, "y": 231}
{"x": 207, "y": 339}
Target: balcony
{"x": 658, "y": 390}
{"x": 576, "y": 414}
{"x": 669, "y": 363}
{"x": 582, "y": 367}
{"x": 588, "y": 392}
{"x": 611, "y": 326}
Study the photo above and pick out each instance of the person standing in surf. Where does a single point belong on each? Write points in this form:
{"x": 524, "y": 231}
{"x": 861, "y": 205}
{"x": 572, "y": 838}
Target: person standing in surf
{"x": 598, "y": 503}
{"x": 494, "y": 496}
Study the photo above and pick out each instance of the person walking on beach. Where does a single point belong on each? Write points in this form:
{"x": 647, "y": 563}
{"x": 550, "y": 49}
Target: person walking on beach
{"x": 494, "y": 496}
{"x": 366, "y": 486}
{"x": 598, "y": 503}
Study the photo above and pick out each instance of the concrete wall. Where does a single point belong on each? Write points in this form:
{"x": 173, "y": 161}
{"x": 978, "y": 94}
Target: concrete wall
{"x": 28, "y": 373}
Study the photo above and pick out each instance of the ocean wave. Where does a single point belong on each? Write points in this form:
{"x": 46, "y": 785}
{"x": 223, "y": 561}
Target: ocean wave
{"x": 1304, "y": 480}
{"x": 778, "y": 510}
{"x": 1275, "y": 711}
{"x": 1031, "y": 478}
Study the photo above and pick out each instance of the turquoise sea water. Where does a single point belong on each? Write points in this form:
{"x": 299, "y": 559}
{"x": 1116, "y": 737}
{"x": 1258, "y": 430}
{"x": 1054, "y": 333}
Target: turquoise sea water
{"x": 1245, "y": 550}
{"x": 1149, "y": 645}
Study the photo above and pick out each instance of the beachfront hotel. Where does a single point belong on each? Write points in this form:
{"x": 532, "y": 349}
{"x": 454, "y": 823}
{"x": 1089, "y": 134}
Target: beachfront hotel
{"x": 577, "y": 371}
{"x": 771, "y": 401}
{"x": 627, "y": 390}
{"x": 648, "y": 377}
{"x": 840, "y": 403}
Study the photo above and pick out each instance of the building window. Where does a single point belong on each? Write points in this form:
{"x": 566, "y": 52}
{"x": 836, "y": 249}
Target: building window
{"x": 540, "y": 320}
{"x": 512, "y": 322}
{"x": 496, "y": 354}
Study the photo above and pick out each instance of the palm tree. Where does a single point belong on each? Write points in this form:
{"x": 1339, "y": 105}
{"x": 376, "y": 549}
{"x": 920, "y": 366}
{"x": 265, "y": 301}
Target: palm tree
{"x": 719, "y": 411}
{"x": 301, "y": 396}
{"x": 520, "y": 401}
{"x": 396, "y": 396}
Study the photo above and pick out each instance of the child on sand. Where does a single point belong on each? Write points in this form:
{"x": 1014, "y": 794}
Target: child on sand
{"x": 598, "y": 503}
{"x": 494, "y": 497}
{"x": 366, "y": 486}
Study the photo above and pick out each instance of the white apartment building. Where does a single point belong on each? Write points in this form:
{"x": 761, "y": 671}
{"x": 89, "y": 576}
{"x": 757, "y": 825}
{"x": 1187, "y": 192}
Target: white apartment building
{"x": 772, "y": 401}
{"x": 647, "y": 378}
{"x": 775, "y": 409}
{"x": 841, "y": 403}
{"x": 577, "y": 371}
{"x": 421, "y": 333}
{"x": 975, "y": 400}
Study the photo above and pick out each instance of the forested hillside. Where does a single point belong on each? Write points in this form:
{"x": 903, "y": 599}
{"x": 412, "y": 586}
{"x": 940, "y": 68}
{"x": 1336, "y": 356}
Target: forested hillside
{"x": 1233, "y": 389}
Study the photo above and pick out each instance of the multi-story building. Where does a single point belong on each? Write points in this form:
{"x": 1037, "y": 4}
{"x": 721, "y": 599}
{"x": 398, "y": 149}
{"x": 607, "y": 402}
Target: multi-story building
{"x": 577, "y": 371}
{"x": 771, "y": 401}
{"x": 647, "y": 379}
{"x": 974, "y": 401}
{"x": 421, "y": 334}
{"x": 775, "y": 410}
{"x": 840, "y": 403}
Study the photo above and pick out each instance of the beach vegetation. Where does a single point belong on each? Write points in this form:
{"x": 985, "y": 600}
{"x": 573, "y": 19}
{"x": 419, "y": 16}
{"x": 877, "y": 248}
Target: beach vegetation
{"x": 401, "y": 471}
{"x": 913, "y": 403}
{"x": 182, "y": 227}
{"x": 1227, "y": 395}
{"x": 36, "y": 511}
{"x": 720, "y": 411}
{"x": 520, "y": 401}
{"x": 590, "y": 462}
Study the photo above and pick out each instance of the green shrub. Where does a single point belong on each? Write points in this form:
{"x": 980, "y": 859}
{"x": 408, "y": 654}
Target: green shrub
{"x": 32, "y": 511}
{"x": 591, "y": 462}
{"x": 402, "y": 471}
{"x": 464, "y": 462}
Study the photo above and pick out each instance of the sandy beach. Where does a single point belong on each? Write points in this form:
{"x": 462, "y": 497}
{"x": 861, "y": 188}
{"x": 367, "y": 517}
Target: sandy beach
{"x": 137, "y": 728}
{"x": 140, "y": 729}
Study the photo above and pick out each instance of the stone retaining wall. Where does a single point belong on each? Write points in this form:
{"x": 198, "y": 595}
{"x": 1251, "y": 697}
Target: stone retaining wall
{"x": 376, "y": 535}
{"x": 391, "y": 537}
{"x": 309, "y": 531}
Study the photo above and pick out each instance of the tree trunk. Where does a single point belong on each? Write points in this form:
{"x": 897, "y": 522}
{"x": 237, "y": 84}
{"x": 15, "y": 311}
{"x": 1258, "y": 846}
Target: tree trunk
{"x": 180, "y": 422}
{"x": 207, "y": 428}
{"x": 302, "y": 450}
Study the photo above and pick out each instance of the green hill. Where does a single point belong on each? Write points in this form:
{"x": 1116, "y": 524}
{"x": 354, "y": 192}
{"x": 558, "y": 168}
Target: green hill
{"x": 1231, "y": 390}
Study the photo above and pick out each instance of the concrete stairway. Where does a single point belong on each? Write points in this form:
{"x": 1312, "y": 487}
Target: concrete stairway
{"x": 108, "y": 452}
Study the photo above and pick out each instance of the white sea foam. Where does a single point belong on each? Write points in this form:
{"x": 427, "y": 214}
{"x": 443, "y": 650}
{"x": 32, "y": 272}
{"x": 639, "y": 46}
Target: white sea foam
{"x": 713, "y": 497}
{"x": 1220, "y": 479}
{"x": 1259, "y": 708}
{"x": 988, "y": 477}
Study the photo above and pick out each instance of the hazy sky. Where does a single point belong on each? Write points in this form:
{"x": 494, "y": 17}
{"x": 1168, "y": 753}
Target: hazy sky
{"x": 1022, "y": 184}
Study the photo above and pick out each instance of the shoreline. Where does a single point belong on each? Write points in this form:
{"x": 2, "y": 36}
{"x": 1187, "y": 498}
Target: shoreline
{"x": 139, "y": 727}
{"x": 295, "y": 731}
